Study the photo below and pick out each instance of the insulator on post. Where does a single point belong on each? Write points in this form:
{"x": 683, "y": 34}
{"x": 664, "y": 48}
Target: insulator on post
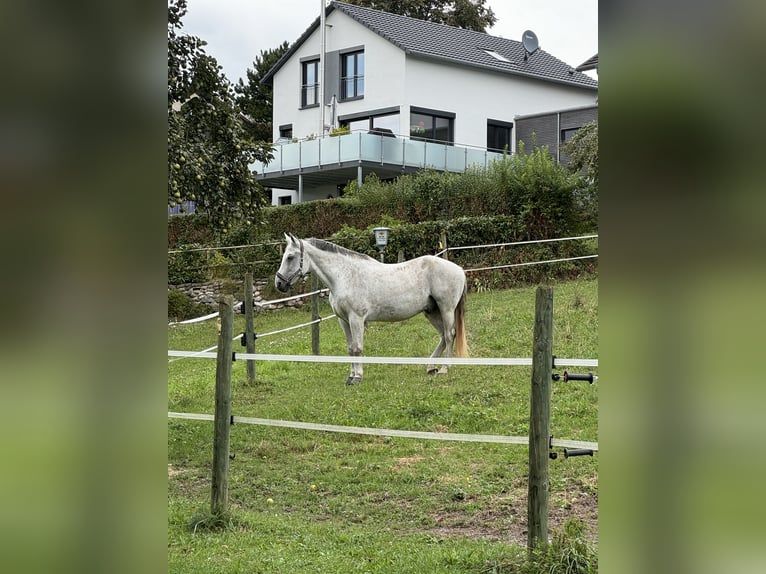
{"x": 577, "y": 452}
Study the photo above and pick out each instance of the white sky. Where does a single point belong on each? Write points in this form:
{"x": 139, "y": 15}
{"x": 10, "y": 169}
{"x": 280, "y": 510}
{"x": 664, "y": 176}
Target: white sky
{"x": 237, "y": 30}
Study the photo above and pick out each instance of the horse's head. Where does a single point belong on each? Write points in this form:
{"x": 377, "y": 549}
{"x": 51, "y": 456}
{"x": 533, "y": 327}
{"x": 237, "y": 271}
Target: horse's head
{"x": 293, "y": 264}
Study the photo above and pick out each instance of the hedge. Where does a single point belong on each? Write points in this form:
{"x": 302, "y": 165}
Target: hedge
{"x": 521, "y": 197}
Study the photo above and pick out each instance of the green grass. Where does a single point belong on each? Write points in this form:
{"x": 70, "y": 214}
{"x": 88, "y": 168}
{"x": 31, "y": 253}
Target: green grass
{"x": 379, "y": 504}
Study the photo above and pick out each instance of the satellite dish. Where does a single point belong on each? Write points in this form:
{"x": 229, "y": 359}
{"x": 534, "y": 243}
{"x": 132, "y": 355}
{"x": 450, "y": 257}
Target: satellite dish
{"x": 530, "y": 43}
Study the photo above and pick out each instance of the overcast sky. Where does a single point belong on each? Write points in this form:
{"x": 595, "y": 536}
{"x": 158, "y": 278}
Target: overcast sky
{"x": 237, "y": 30}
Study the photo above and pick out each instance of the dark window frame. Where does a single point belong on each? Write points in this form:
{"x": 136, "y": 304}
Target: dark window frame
{"x": 356, "y": 80}
{"x": 286, "y": 131}
{"x": 306, "y": 86}
{"x": 434, "y": 115}
{"x": 567, "y": 134}
{"x": 500, "y": 125}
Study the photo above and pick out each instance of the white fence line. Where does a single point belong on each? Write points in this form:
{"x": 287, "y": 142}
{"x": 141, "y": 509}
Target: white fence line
{"x": 174, "y": 251}
{"x": 496, "y": 361}
{"x": 483, "y": 438}
{"x": 286, "y": 329}
{"x": 301, "y": 296}
{"x": 531, "y": 263}
{"x": 515, "y": 243}
{"x": 201, "y": 353}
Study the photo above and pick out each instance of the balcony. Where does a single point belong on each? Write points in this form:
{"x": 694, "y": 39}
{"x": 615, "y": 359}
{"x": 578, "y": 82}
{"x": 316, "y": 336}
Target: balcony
{"x": 337, "y": 160}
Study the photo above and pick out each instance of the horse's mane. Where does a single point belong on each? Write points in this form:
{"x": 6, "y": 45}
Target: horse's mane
{"x": 323, "y": 245}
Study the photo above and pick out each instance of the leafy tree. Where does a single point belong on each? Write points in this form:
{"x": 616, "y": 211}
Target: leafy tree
{"x": 582, "y": 150}
{"x": 209, "y": 151}
{"x": 468, "y": 14}
{"x": 255, "y": 99}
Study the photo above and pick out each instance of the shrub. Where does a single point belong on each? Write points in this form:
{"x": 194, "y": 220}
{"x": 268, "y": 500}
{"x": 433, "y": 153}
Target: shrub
{"x": 182, "y": 307}
{"x": 192, "y": 265}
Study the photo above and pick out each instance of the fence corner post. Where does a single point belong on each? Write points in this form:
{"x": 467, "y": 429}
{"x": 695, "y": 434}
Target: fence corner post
{"x": 539, "y": 419}
{"x": 220, "y": 484}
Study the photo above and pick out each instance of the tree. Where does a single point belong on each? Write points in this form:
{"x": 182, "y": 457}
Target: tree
{"x": 468, "y": 14}
{"x": 582, "y": 150}
{"x": 209, "y": 151}
{"x": 255, "y": 99}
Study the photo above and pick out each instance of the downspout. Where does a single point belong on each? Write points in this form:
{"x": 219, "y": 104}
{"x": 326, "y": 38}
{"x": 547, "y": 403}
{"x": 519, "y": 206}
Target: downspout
{"x": 322, "y": 42}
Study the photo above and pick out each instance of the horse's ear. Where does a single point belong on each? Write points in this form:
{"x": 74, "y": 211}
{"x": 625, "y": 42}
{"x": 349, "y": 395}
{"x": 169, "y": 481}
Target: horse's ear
{"x": 293, "y": 238}
{"x": 288, "y": 238}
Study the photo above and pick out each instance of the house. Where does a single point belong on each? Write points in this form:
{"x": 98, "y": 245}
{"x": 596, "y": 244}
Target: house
{"x": 413, "y": 95}
{"x": 553, "y": 128}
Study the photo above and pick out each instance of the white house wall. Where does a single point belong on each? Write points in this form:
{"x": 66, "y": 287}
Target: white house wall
{"x": 384, "y": 76}
{"x": 476, "y": 95}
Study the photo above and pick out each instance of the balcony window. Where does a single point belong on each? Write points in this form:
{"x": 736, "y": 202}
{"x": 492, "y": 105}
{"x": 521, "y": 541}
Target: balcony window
{"x": 352, "y": 76}
{"x": 369, "y": 123}
{"x": 432, "y": 126}
{"x": 310, "y": 83}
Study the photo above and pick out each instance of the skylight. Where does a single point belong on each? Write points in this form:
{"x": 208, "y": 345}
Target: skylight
{"x": 496, "y": 56}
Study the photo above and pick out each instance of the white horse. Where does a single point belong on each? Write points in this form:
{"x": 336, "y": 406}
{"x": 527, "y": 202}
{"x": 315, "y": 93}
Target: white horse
{"x": 363, "y": 289}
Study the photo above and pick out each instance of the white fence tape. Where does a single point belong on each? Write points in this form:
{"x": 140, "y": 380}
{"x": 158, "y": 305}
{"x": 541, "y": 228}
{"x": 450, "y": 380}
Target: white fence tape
{"x": 531, "y": 263}
{"x": 301, "y": 296}
{"x": 497, "y": 361}
{"x": 484, "y": 438}
{"x": 514, "y": 243}
{"x": 286, "y": 329}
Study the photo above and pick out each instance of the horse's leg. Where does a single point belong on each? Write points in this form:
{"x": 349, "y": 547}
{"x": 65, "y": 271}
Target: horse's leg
{"x": 347, "y": 331}
{"x": 355, "y": 346}
{"x": 435, "y": 319}
{"x": 448, "y": 336}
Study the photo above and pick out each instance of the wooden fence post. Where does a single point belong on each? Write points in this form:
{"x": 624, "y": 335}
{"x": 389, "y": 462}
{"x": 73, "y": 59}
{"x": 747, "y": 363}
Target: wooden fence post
{"x": 443, "y": 242}
{"x": 539, "y": 419}
{"x": 220, "y": 484}
{"x": 315, "y": 314}
{"x": 249, "y": 325}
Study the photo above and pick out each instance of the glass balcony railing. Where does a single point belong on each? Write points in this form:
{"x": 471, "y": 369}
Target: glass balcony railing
{"x": 372, "y": 148}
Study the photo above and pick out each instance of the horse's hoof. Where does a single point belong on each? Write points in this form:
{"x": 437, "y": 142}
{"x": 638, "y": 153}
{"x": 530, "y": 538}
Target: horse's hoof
{"x": 354, "y": 381}
{"x": 432, "y": 370}
{"x": 443, "y": 371}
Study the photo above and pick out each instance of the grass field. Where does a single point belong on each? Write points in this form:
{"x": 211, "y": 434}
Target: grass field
{"x": 306, "y": 501}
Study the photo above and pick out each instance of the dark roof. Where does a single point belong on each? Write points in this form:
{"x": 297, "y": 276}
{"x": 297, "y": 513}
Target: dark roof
{"x": 589, "y": 64}
{"x": 450, "y": 44}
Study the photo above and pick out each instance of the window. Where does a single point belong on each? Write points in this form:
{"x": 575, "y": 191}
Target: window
{"x": 431, "y": 125}
{"x": 368, "y": 123}
{"x": 352, "y": 76}
{"x": 285, "y": 200}
{"x": 310, "y": 83}
{"x": 567, "y": 134}
{"x": 286, "y": 132}
{"x": 496, "y": 56}
{"x": 499, "y": 135}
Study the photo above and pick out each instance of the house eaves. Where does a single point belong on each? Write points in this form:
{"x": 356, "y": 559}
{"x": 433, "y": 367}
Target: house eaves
{"x": 439, "y": 42}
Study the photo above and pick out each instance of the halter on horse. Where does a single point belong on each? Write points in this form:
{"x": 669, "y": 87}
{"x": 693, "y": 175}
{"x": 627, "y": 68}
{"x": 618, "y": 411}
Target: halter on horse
{"x": 362, "y": 289}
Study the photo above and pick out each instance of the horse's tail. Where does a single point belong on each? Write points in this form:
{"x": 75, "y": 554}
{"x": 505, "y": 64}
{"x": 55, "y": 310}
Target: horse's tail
{"x": 461, "y": 345}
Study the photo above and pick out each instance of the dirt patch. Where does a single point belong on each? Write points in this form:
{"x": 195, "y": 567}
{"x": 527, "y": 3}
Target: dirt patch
{"x": 407, "y": 461}
{"x": 173, "y": 471}
{"x": 505, "y": 517}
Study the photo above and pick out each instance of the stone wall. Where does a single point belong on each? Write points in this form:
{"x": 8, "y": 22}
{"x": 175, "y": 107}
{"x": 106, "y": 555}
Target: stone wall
{"x": 208, "y": 293}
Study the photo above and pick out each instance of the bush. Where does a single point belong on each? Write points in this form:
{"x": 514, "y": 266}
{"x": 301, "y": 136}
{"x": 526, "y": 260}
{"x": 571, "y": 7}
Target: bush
{"x": 194, "y": 266}
{"x": 182, "y": 307}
